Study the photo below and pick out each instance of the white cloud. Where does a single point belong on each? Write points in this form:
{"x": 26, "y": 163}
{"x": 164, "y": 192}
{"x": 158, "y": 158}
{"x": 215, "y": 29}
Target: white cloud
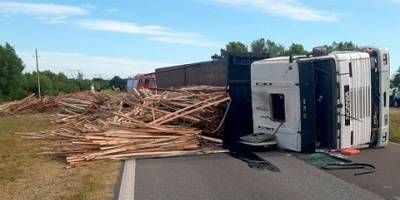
{"x": 41, "y": 9}
{"x": 91, "y": 66}
{"x": 152, "y": 32}
{"x": 51, "y": 13}
{"x": 292, "y": 9}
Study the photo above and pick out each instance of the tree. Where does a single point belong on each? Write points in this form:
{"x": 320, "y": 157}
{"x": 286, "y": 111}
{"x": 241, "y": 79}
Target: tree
{"x": 274, "y": 49}
{"x": 342, "y": 46}
{"x": 11, "y": 67}
{"x": 269, "y": 47}
{"x": 118, "y": 82}
{"x": 79, "y": 76}
{"x": 100, "y": 84}
{"x": 259, "y": 46}
{"x": 395, "y": 81}
{"x": 236, "y": 47}
{"x": 296, "y": 49}
{"x": 232, "y": 47}
{"x": 47, "y": 85}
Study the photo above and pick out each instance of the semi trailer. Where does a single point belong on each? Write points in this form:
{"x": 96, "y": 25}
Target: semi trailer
{"x": 325, "y": 100}
{"x": 334, "y": 100}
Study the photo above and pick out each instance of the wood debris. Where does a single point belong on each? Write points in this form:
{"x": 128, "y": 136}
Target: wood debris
{"x": 141, "y": 125}
{"x": 79, "y": 102}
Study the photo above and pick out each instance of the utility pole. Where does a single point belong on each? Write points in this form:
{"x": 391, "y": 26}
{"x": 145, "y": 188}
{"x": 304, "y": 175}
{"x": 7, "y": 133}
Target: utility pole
{"x": 38, "y": 75}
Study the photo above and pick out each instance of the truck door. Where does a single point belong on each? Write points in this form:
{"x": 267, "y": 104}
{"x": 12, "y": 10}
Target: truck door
{"x": 318, "y": 94}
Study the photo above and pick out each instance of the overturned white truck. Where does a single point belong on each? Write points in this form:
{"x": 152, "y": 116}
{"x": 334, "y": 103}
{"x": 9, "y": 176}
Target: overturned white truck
{"x": 326, "y": 101}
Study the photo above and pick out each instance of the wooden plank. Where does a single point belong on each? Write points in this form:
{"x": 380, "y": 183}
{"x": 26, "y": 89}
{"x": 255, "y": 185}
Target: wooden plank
{"x": 194, "y": 110}
{"x": 177, "y": 113}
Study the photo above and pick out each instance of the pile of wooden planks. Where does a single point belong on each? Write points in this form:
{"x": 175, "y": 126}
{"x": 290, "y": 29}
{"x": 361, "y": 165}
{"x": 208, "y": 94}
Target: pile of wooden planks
{"x": 143, "y": 124}
{"x": 80, "y": 102}
{"x": 29, "y": 104}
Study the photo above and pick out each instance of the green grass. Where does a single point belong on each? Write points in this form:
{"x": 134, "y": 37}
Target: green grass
{"x": 394, "y": 129}
{"x": 13, "y": 155}
{"x": 26, "y": 175}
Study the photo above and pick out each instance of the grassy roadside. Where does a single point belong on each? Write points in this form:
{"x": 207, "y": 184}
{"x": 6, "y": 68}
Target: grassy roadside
{"x": 394, "y": 129}
{"x": 28, "y": 176}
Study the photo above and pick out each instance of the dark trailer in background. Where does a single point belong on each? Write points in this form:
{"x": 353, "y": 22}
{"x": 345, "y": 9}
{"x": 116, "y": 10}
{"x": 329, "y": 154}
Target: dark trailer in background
{"x": 232, "y": 72}
{"x": 212, "y": 73}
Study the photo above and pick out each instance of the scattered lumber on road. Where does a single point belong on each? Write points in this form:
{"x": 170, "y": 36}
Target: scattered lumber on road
{"x": 142, "y": 124}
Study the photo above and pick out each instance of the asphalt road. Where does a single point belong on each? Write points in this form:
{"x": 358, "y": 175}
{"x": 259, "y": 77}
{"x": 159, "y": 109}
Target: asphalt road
{"x": 223, "y": 177}
{"x": 386, "y": 180}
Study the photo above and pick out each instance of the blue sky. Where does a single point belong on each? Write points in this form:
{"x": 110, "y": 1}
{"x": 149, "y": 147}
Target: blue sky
{"x": 121, "y": 37}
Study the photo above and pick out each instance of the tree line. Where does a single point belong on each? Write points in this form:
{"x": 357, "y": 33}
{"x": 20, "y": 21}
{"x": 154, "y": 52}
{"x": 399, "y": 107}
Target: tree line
{"x": 15, "y": 84}
{"x": 264, "y": 46}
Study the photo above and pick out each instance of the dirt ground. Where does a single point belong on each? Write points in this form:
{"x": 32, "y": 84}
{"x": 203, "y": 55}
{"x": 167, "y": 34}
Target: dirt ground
{"x": 26, "y": 175}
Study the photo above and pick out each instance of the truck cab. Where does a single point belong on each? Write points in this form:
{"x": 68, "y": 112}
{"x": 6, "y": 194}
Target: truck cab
{"x": 334, "y": 101}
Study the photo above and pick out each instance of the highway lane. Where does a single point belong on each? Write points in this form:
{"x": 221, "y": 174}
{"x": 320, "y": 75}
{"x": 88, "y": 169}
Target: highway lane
{"x": 224, "y": 177}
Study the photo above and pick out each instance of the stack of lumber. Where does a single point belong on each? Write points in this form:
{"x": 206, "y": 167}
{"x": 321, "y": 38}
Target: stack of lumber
{"x": 142, "y": 124}
{"x": 80, "y": 102}
{"x": 29, "y": 104}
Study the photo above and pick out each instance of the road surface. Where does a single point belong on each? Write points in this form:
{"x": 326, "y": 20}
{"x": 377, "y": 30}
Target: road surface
{"x": 223, "y": 177}
{"x": 386, "y": 180}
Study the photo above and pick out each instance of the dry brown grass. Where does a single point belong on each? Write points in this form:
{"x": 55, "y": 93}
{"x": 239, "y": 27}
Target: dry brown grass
{"x": 26, "y": 175}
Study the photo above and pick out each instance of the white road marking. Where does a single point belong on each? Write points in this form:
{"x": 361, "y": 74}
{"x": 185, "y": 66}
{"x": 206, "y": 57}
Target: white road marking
{"x": 127, "y": 188}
